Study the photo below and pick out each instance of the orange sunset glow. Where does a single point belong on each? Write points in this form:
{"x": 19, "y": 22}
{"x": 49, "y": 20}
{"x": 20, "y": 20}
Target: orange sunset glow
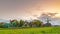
{"x": 29, "y": 9}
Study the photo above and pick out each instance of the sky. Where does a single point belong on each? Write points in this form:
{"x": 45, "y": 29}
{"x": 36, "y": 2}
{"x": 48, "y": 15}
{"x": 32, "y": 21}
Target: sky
{"x": 30, "y": 9}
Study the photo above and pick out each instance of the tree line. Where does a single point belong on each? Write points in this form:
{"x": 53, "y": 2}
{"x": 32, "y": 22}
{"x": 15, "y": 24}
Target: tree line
{"x": 21, "y": 23}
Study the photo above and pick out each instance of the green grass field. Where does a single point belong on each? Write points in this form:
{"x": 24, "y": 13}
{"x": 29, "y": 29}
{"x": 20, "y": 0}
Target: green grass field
{"x": 44, "y": 30}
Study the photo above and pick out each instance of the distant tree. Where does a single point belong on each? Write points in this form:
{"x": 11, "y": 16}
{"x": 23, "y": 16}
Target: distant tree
{"x": 48, "y": 24}
{"x": 7, "y": 25}
{"x": 36, "y": 23}
{"x": 26, "y": 24}
{"x": 14, "y": 23}
{"x": 30, "y": 24}
{"x": 21, "y": 23}
{"x": 2, "y": 25}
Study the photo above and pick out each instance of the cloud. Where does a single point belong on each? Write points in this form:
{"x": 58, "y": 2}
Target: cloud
{"x": 46, "y": 15}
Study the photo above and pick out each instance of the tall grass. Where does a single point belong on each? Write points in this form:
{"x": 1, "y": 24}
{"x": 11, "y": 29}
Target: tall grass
{"x": 44, "y": 30}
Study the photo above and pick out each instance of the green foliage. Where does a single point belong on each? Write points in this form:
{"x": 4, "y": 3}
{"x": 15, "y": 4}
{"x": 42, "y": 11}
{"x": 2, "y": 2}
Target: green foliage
{"x": 37, "y": 23}
{"x": 47, "y": 25}
{"x": 34, "y": 23}
{"x": 1, "y": 25}
{"x": 45, "y": 30}
{"x": 21, "y": 23}
{"x": 7, "y": 25}
{"x": 14, "y": 23}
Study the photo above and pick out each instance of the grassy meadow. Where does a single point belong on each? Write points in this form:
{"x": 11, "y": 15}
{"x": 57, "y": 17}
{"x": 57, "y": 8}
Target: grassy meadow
{"x": 43, "y": 30}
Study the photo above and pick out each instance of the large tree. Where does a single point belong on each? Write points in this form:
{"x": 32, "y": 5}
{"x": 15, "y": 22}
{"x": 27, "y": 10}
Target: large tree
{"x": 36, "y": 23}
{"x": 14, "y": 23}
{"x": 21, "y": 23}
